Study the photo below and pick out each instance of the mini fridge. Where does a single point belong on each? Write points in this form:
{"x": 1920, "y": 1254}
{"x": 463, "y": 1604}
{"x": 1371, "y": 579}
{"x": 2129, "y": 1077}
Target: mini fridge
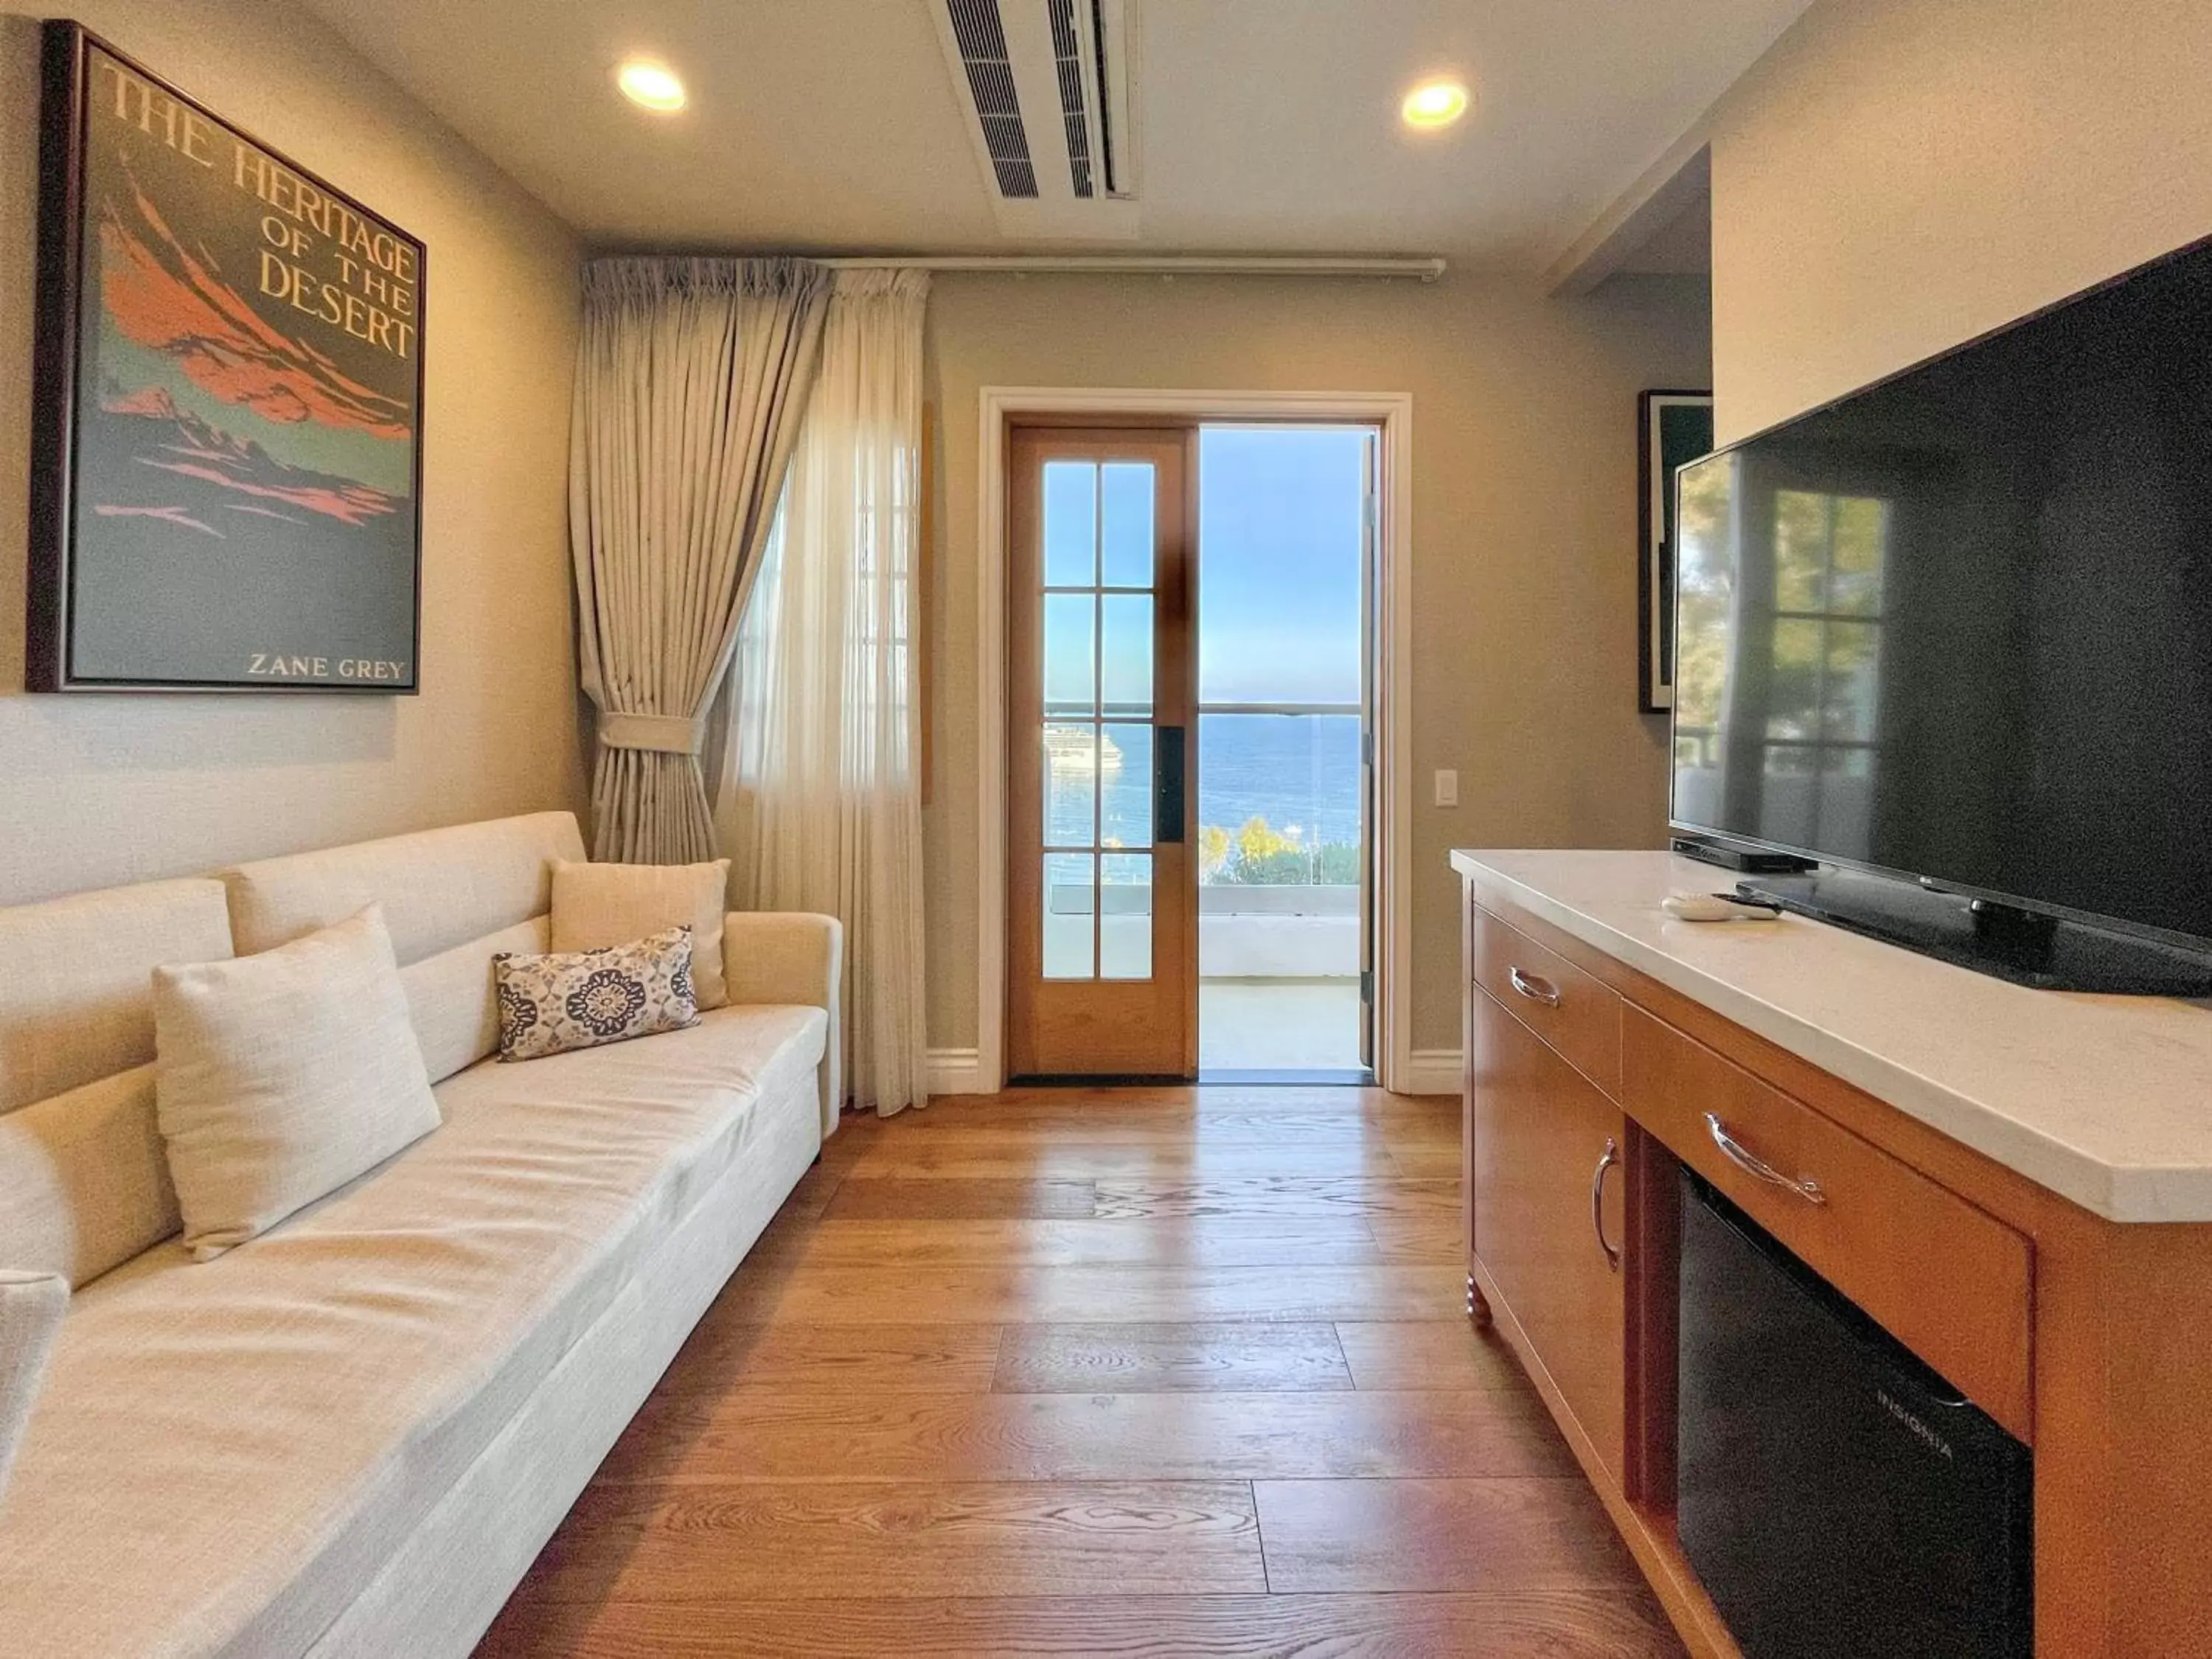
{"x": 1837, "y": 1498}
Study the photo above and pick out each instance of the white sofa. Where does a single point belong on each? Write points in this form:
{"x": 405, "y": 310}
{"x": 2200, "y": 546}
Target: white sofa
{"x": 351, "y": 1435}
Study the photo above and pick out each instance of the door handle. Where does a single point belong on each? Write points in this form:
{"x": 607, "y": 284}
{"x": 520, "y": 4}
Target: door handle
{"x": 1752, "y": 1164}
{"x": 1606, "y": 1159}
{"x": 1535, "y": 986}
{"x": 1167, "y": 784}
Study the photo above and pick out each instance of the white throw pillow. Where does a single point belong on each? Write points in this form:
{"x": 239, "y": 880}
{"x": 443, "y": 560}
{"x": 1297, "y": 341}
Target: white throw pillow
{"x": 280, "y": 1077}
{"x": 32, "y": 1306}
{"x": 597, "y": 905}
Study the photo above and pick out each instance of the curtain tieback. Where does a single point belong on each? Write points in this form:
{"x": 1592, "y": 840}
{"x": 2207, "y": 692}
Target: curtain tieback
{"x": 671, "y": 733}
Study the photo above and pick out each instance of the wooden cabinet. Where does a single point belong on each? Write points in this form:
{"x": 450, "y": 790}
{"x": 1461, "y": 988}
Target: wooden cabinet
{"x": 1545, "y": 1189}
{"x": 2083, "y": 1336}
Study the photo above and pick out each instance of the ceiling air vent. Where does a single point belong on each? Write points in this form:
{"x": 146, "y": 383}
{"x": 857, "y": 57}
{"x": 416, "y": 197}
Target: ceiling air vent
{"x": 1072, "y": 56}
{"x": 1068, "y": 61}
{"x": 982, "y": 35}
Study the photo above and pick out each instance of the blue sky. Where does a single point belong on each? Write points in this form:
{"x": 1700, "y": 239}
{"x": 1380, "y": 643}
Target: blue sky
{"x": 1278, "y": 568}
{"x": 1278, "y": 563}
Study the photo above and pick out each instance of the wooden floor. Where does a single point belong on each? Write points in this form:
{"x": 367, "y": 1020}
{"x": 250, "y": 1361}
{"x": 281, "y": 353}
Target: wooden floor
{"x": 1128, "y": 1372}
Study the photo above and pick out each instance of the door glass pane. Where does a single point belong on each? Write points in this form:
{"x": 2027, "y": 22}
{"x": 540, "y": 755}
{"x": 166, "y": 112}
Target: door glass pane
{"x": 1125, "y": 653}
{"x": 1070, "y": 784}
{"x": 1127, "y": 518}
{"x": 1125, "y": 916}
{"x": 1281, "y": 531}
{"x": 1071, "y": 524}
{"x": 1125, "y": 786}
{"x": 1069, "y": 909}
{"x": 1071, "y": 653}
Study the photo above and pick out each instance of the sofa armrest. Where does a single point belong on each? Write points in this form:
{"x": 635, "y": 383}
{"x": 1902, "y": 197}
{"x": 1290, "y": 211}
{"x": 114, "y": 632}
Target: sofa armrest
{"x": 795, "y": 959}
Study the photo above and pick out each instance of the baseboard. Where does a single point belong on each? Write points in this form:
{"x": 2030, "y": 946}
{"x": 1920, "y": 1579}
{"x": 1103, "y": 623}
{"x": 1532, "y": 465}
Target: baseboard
{"x": 954, "y": 1070}
{"x": 1430, "y": 1071}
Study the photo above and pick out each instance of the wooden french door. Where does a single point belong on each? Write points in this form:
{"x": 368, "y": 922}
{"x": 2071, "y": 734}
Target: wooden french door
{"x": 1102, "y": 896}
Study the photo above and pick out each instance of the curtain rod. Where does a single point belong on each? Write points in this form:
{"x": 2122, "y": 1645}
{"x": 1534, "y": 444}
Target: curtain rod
{"x": 1147, "y": 264}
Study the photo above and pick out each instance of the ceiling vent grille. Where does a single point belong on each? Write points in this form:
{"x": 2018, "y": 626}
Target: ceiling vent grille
{"x": 981, "y": 34}
{"x": 1067, "y": 63}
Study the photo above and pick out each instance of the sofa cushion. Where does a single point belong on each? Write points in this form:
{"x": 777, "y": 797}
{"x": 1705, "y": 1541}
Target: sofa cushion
{"x": 282, "y": 1076}
{"x": 451, "y": 898}
{"x": 82, "y": 1186}
{"x": 30, "y": 1310}
{"x": 596, "y": 905}
{"x": 224, "y": 1455}
{"x": 84, "y": 1179}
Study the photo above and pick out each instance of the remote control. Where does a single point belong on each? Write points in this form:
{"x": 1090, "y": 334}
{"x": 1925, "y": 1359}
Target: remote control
{"x": 1718, "y": 907}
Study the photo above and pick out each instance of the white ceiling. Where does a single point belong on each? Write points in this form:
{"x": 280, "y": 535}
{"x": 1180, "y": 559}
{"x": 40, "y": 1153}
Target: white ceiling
{"x": 1267, "y": 125}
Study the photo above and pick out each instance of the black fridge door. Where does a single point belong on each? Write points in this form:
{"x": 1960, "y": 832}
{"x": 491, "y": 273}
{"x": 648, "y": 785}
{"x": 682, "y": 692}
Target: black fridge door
{"x": 1837, "y": 1496}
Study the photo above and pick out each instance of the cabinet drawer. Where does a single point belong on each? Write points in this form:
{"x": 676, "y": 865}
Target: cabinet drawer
{"x": 1949, "y": 1281}
{"x": 1578, "y": 1016}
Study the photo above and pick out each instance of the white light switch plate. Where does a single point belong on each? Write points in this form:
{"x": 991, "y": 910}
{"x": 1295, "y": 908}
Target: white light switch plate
{"x": 1447, "y": 786}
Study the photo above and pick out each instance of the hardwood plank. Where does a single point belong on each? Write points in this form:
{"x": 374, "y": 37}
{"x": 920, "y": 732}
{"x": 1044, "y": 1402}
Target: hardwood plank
{"x": 1582, "y": 1622}
{"x": 1052, "y": 1159}
{"x": 1437, "y": 1237}
{"x": 983, "y": 1294}
{"x": 1285, "y": 1197}
{"x": 1245, "y": 1357}
{"x": 1427, "y": 1353}
{"x": 892, "y": 1198}
{"x": 1330, "y": 1536}
{"x": 1212, "y": 1241}
{"x": 904, "y": 1538}
{"x": 1426, "y": 1157}
{"x": 824, "y": 1440}
{"x": 934, "y": 1358}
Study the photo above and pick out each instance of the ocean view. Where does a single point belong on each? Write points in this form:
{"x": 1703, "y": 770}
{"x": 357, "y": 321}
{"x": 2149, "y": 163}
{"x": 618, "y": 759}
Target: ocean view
{"x": 1298, "y": 773}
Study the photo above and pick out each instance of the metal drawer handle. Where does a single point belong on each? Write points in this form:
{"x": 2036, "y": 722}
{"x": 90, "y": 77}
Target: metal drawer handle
{"x": 1610, "y": 1156}
{"x": 1751, "y": 1163}
{"x": 1533, "y": 986}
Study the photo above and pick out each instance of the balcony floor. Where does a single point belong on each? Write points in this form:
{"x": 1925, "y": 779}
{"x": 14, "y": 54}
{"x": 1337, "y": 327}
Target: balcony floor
{"x": 1277, "y": 1025}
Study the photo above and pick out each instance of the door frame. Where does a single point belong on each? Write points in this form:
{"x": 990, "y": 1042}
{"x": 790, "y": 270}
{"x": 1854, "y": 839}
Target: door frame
{"x": 1392, "y": 413}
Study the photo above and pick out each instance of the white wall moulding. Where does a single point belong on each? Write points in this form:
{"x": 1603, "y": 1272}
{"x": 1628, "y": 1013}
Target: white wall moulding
{"x": 953, "y": 1071}
{"x": 1432, "y": 1071}
{"x": 1392, "y": 413}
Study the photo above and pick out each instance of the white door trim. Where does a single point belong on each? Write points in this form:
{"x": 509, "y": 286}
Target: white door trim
{"x": 1392, "y": 411}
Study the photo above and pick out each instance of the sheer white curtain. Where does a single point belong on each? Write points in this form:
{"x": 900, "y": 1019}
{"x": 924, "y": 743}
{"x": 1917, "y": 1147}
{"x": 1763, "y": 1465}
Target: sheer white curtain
{"x": 821, "y": 800}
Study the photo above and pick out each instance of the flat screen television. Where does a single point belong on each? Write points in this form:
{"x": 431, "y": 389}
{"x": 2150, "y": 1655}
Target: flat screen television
{"x": 1957, "y": 627}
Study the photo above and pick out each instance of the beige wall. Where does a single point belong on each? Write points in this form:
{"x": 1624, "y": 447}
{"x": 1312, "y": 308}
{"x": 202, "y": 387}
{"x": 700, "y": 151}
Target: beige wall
{"x": 1524, "y": 532}
{"x": 100, "y": 789}
{"x": 1898, "y": 176}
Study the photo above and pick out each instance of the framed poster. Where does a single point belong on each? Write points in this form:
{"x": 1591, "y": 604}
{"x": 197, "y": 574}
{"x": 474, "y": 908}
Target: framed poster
{"x": 1672, "y": 428}
{"x": 227, "y": 404}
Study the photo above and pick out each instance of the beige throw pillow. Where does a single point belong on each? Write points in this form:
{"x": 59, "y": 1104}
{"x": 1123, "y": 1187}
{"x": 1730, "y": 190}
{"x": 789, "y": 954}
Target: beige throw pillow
{"x": 32, "y": 1306}
{"x": 597, "y": 905}
{"x": 562, "y": 999}
{"x": 280, "y": 1077}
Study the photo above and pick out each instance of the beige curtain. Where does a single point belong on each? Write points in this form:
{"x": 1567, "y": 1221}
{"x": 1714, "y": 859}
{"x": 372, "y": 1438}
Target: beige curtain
{"x": 821, "y": 797}
{"x": 692, "y": 378}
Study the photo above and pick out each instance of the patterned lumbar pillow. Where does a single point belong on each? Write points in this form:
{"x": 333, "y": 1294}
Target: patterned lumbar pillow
{"x": 567, "y": 999}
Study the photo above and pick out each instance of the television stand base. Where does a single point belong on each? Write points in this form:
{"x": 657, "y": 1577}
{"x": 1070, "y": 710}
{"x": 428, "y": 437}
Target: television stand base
{"x": 2024, "y": 946}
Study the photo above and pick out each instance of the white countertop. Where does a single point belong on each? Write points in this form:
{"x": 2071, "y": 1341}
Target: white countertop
{"x": 2106, "y": 1100}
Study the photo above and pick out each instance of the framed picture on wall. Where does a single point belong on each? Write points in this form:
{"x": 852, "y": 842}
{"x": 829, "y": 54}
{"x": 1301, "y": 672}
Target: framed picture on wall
{"x": 1671, "y": 428}
{"x": 227, "y": 404}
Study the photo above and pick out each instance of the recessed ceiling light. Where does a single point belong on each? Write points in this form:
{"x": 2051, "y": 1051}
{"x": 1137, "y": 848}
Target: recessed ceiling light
{"x": 1434, "y": 104}
{"x": 650, "y": 85}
